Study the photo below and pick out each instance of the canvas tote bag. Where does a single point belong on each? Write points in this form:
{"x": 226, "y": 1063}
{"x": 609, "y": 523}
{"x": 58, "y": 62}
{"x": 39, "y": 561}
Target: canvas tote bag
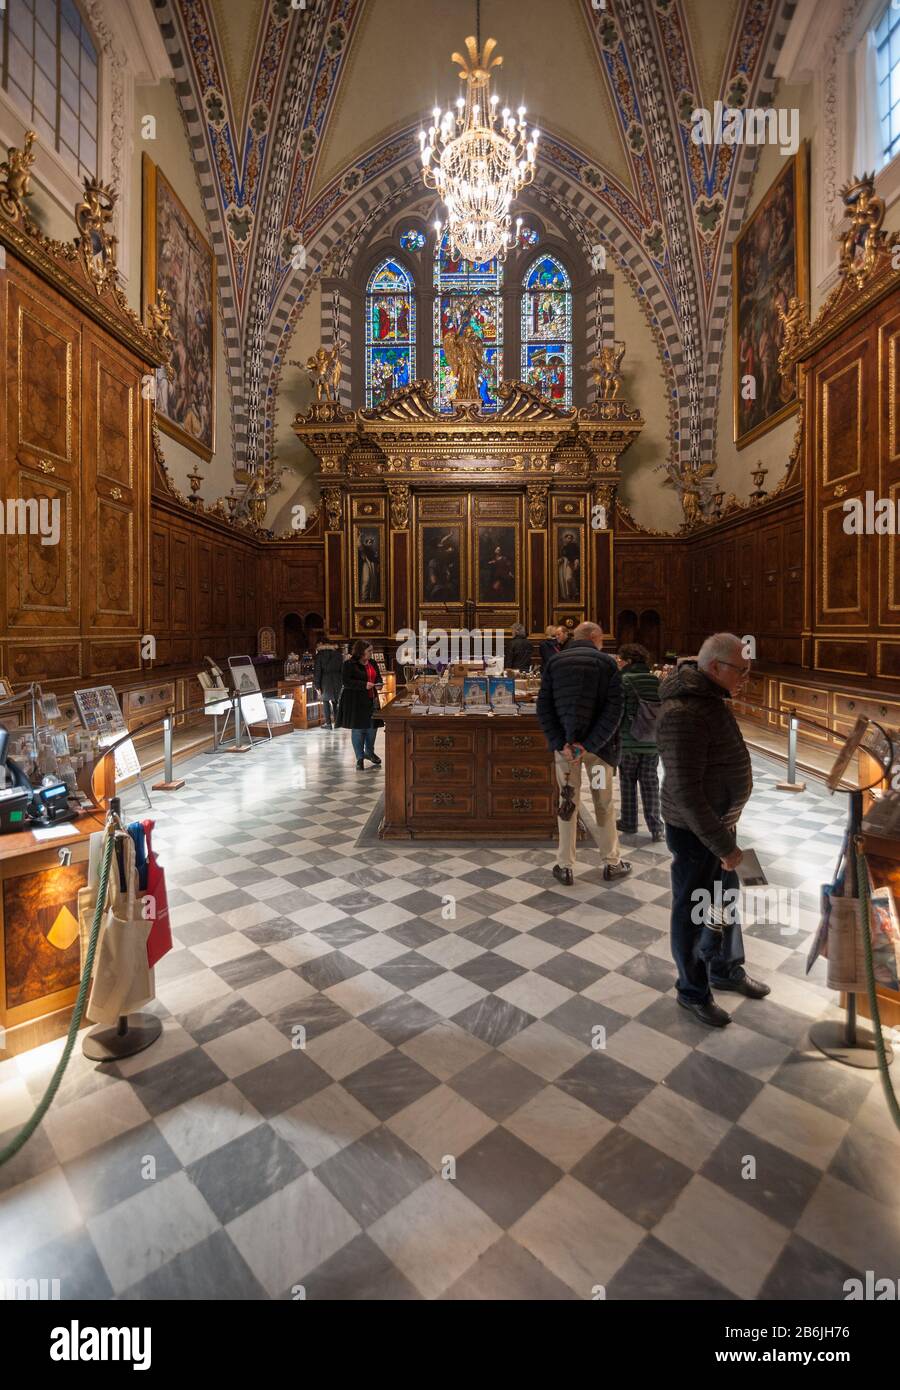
{"x": 123, "y": 980}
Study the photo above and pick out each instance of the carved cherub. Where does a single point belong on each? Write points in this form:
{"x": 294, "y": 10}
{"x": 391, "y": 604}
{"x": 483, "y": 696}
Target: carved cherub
{"x": 15, "y": 177}
{"x": 689, "y": 484}
{"x": 604, "y": 366}
{"x": 324, "y": 369}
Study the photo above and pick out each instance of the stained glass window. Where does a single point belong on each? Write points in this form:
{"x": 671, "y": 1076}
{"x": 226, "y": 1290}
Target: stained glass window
{"x": 390, "y": 330}
{"x": 547, "y": 330}
{"x": 528, "y": 236}
{"x": 412, "y": 240}
{"x": 466, "y": 293}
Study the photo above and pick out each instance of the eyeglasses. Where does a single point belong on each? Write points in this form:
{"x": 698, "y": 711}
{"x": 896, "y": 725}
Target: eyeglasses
{"x": 744, "y": 670}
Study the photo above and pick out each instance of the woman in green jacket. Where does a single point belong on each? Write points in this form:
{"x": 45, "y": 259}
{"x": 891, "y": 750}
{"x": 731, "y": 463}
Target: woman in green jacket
{"x": 639, "y": 762}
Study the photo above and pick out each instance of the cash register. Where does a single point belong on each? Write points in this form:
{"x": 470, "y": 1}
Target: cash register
{"x": 23, "y": 806}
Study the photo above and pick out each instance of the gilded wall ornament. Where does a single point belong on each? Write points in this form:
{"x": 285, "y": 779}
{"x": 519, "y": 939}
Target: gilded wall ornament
{"x": 399, "y": 494}
{"x": 95, "y": 244}
{"x": 15, "y": 178}
{"x": 604, "y": 367}
{"x": 333, "y": 509}
{"x": 537, "y": 505}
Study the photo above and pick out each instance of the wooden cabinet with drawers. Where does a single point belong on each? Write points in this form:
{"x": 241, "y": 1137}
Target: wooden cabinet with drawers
{"x": 472, "y": 776}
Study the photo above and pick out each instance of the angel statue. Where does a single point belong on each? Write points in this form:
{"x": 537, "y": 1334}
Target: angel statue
{"x": 464, "y": 350}
{"x": 604, "y": 365}
{"x": 689, "y": 484}
{"x": 324, "y": 369}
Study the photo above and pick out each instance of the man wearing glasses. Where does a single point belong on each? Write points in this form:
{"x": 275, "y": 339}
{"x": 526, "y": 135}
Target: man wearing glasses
{"x": 708, "y": 781}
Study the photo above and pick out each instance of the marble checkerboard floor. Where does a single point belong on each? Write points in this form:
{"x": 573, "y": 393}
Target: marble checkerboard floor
{"x": 445, "y": 1128}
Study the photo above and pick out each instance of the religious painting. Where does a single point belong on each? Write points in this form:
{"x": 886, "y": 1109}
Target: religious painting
{"x": 568, "y": 564}
{"x": 440, "y": 574}
{"x": 467, "y": 294}
{"x": 178, "y": 258}
{"x": 497, "y": 564}
{"x": 368, "y": 547}
{"x": 771, "y": 265}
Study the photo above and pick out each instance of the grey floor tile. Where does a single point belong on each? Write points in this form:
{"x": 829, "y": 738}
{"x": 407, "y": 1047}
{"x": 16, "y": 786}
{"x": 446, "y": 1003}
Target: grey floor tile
{"x": 654, "y": 1271}
{"x": 389, "y": 1084}
{"x": 372, "y": 1175}
{"x": 211, "y": 1270}
{"x": 507, "y": 1271}
{"x": 496, "y": 1085}
{"x": 632, "y": 1176}
{"x": 605, "y": 1085}
{"x": 493, "y": 1020}
{"x": 285, "y": 1081}
{"x": 504, "y": 1176}
{"x": 180, "y": 1079}
{"x": 240, "y": 1174}
{"x": 360, "y": 1270}
{"x": 778, "y": 1183}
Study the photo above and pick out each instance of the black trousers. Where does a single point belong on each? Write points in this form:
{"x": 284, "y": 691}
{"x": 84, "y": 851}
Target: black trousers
{"x": 702, "y": 953}
{"x": 329, "y": 710}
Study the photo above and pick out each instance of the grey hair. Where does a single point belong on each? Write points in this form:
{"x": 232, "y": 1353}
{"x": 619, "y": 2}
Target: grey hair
{"x": 586, "y": 632}
{"x": 550, "y": 629}
{"x": 518, "y": 630}
{"x": 719, "y": 647}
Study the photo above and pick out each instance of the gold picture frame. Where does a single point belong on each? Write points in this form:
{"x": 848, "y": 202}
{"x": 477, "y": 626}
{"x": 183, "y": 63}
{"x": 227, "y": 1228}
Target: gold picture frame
{"x": 497, "y": 559}
{"x": 185, "y": 407}
{"x": 438, "y": 584}
{"x": 368, "y": 564}
{"x": 770, "y": 264}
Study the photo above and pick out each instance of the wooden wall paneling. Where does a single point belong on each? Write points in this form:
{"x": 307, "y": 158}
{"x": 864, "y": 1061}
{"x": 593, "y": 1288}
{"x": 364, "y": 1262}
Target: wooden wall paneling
{"x": 335, "y": 586}
{"x": 401, "y": 613}
{"x": 844, "y": 386}
{"x": 42, "y": 461}
{"x": 180, "y": 592}
{"x": 115, "y": 508}
{"x": 538, "y": 617}
{"x": 771, "y": 591}
{"x": 219, "y": 588}
{"x": 203, "y": 584}
{"x": 746, "y": 572}
{"x": 887, "y": 480}
{"x": 160, "y": 571}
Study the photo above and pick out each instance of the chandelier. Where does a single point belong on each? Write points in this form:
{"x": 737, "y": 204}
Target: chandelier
{"x": 478, "y": 159}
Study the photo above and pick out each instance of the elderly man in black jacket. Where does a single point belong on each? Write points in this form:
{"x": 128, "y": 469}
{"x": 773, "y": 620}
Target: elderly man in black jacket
{"x": 580, "y": 707}
{"x": 707, "y": 784}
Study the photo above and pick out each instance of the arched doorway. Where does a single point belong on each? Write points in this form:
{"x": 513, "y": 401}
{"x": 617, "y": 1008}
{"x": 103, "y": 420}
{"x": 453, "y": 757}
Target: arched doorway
{"x": 314, "y": 629}
{"x": 626, "y": 627}
{"x": 294, "y": 635}
{"x": 648, "y": 633}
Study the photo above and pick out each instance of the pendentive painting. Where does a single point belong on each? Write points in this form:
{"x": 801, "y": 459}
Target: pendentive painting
{"x": 440, "y": 576}
{"x": 178, "y": 258}
{"x": 771, "y": 265}
{"x": 497, "y": 564}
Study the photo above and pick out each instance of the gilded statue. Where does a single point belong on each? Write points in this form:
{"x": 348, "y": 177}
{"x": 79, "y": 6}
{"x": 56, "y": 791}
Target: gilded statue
{"x": 464, "y": 350}
{"x": 604, "y": 367}
{"x": 866, "y": 212}
{"x": 159, "y": 317}
{"x": 15, "y": 178}
{"x": 689, "y": 484}
{"x": 324, "y": 369}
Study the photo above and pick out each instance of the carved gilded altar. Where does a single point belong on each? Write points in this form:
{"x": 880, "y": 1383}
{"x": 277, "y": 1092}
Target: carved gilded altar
{"x": 465, "y": 518}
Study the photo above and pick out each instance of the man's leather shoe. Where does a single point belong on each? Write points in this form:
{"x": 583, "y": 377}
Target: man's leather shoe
{"x": 708, "y": 1013}
{"x": 564, "y": 875}
{"x": 613, "y": 872}
{"x": 754, "y": 989}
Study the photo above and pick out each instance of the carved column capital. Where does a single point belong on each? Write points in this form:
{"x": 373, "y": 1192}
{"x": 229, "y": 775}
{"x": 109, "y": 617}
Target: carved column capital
{"x": 537, "y": 505}
{"x": 399, "y": 495}
{"x": 334, "y": 508}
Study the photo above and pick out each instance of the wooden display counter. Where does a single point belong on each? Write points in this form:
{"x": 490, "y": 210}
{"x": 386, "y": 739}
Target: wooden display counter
{"x": 466, "y": 777}
{"x": 40, "y": 964}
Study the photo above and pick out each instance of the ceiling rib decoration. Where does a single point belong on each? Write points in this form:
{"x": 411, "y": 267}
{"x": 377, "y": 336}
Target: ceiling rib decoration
{"x": 263, "y": 147}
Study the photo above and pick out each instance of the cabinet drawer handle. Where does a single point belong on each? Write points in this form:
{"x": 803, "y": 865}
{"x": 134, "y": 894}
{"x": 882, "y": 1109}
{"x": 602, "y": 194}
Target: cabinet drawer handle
{"x": 522, "y": 774}
{"x": 840, "y": 489}
{"x": 46, "y": 466}
{"x": 521, "y": 741}
{"x": 443, "y": 768}
{"x": 445, "y": 742}
{"x": 116, "y": 493}
{"x": 521, "y": 803}
{"x": 442, "y": 799}
{"x": 851, "y": 704}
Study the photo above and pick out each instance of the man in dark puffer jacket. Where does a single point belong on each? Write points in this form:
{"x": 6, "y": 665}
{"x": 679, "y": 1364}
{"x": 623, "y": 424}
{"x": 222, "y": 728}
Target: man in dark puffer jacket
{"x": 708, "y": 781}
{"x": 580, "y": 708}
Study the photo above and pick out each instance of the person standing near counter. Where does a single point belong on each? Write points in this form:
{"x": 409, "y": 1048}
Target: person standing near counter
{"x": 580, "y": 708}
{"x": 327, "y": 680}
{"x": 359, "y": 702}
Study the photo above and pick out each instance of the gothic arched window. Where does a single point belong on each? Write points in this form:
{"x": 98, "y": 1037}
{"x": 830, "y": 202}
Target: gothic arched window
{"x": 547, "y": 329}
{"x": 390, "y": 330}
{"x": 465, "y": 293}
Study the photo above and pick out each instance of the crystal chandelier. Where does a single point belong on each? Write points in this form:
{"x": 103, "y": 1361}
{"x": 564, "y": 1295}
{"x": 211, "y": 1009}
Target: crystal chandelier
{"x": 478, "y": 160}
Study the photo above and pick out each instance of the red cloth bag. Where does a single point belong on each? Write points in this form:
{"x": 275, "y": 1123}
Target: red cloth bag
{"x": 160, "y": 939}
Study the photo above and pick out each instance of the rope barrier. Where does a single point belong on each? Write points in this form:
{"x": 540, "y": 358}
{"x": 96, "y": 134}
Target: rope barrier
{"x": 862, "y": 879}
{"x": 25, "y": 1133}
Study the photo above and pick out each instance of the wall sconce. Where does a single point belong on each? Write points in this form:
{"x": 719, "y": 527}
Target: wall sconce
{"x": 757, "y": 475}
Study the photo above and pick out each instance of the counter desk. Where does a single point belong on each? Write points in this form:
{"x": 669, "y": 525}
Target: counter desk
{"x": 466, "y": 777}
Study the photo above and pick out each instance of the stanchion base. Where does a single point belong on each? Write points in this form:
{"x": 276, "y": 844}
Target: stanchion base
{"x": 108, "y": 1045}
{"x": 830, "y": 1037}
{"x": 167, "y": 786}
{"x": 241, "y": 748}
{"x": 790, "y": 786}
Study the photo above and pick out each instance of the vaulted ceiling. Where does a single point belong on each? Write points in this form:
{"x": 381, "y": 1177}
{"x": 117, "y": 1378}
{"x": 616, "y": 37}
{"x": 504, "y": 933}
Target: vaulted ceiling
{"x": 304, "y": 123}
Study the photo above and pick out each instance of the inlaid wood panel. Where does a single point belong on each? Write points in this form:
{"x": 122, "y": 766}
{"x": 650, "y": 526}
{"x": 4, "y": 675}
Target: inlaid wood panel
{"x": 843, "y": 388}
{"x": 43, "y": 359}
{"x": 41, "y": 577}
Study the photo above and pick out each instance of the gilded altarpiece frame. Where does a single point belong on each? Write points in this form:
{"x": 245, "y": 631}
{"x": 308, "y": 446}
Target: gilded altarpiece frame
{"x": 473, "y": 505}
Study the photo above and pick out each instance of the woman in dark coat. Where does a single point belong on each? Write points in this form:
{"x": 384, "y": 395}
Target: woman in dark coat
{"x": 359, "y": 701}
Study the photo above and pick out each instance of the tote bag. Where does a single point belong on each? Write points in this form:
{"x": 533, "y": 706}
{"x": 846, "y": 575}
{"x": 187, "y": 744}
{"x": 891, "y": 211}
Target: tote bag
{"x": 123, "y": 980}
{"x": 160, "y": 939}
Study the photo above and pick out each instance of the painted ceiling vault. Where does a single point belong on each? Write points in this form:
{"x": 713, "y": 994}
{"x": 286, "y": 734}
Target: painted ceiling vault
{"x": 307, "y": 118}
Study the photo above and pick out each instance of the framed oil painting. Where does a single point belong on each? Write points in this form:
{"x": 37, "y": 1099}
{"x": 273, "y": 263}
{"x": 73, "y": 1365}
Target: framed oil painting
{"x": 498, "y": 567}
{"x": 568, "y": 562}
{"x": 440, "y": 572}
{"x": 770, "y": 265}
{"x": 368, "y": 547}
{"x": 177, "y": 257}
